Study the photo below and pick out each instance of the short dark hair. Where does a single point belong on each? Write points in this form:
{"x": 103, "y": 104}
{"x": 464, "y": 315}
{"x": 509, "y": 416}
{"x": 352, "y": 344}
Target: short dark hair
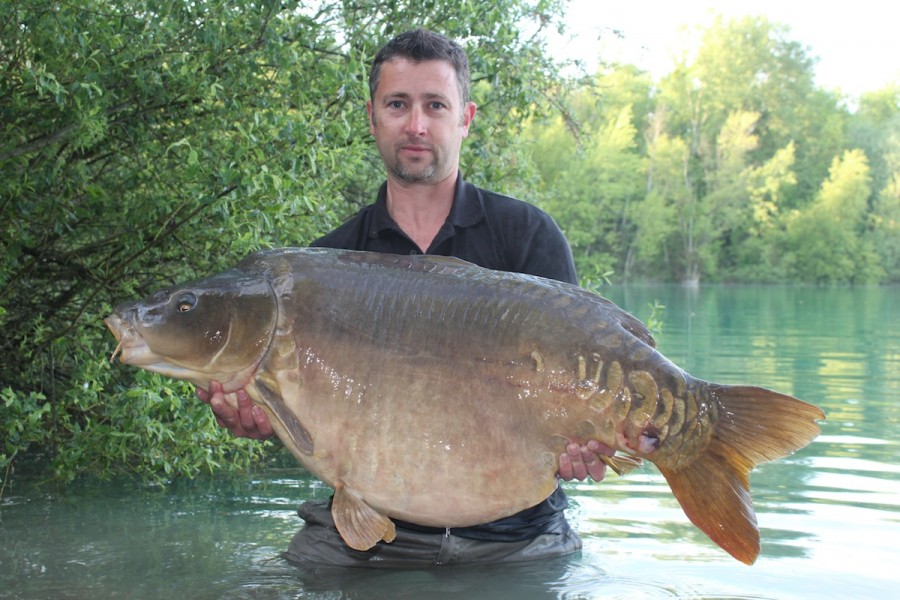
{"x": 419, "y": 45}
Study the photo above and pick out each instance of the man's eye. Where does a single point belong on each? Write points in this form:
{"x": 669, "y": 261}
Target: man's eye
{"x": 395, "y": 104}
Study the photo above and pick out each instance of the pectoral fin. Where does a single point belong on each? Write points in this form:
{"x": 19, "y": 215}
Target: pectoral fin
{"x": 295, "y": 429}
{"x": 359, "y": 524}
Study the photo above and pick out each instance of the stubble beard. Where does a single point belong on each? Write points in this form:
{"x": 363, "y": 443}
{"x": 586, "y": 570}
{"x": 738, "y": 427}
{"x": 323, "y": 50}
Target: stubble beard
{"x": 415, "y": 173}
{"x": 408, "y": 176}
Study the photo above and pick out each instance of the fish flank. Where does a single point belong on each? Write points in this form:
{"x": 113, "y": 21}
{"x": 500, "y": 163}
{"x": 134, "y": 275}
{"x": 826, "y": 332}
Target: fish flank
{"x": 374, "y": 355}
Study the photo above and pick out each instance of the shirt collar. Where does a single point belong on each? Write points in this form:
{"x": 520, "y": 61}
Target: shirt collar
{"x": 466, "y": 211}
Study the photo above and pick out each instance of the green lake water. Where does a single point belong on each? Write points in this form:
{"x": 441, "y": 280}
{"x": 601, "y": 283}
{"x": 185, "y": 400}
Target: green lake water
{"x": 829, "y": 515}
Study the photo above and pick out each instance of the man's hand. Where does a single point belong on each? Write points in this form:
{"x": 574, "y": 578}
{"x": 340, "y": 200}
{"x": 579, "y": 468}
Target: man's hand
{"x": 247, "y": 420}
{"x": 583, "y": 460}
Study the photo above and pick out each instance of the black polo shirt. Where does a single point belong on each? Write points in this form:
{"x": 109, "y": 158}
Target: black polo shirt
{"x": 488, "y": 229}
{"x": 496, "y": 232}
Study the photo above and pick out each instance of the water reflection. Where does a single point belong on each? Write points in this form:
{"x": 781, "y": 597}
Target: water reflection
{"x": 512, "y": 581}
{"x": 829, "y": 515}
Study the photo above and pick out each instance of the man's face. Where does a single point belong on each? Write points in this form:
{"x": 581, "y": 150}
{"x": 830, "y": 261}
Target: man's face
{"x": 418, "y": 120}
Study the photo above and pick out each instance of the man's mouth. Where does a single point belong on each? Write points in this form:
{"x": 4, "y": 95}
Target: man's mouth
{"x": 416, "y": 148}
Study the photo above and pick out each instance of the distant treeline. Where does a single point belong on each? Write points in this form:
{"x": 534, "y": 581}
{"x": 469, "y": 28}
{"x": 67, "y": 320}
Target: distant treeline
{"x": 735, "y": 167}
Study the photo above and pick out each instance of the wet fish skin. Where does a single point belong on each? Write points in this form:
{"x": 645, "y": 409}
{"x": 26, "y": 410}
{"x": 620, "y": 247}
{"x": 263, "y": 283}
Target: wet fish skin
{"x": 437, "y": 392}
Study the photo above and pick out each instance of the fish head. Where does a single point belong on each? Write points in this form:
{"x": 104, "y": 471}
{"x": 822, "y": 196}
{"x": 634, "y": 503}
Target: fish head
{"x": 218, "y": 328}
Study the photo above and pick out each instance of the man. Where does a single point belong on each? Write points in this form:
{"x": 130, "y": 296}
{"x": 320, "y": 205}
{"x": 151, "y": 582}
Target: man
{"x": 419, "y": 114}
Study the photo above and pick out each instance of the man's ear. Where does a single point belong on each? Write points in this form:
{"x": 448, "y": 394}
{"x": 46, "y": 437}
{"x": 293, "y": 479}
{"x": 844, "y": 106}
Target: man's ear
{"x": 469, "y": 111}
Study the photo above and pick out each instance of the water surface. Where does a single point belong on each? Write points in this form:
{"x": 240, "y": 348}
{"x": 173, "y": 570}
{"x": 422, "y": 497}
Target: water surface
{"x": 829, "y": 515}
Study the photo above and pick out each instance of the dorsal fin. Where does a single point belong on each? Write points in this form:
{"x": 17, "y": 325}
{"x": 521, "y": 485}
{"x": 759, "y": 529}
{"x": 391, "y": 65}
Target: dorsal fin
{"x": 446, "y": 260}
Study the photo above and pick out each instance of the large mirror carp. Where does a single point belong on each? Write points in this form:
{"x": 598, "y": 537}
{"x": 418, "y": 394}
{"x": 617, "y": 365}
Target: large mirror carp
{"x": 437, "y": 392}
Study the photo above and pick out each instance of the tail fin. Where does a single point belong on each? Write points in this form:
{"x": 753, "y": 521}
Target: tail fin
{"x": 755, "y": 425}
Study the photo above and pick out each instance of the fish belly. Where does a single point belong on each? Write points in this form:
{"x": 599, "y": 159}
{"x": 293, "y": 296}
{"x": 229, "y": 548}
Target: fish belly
{"x": 424, "y": 444}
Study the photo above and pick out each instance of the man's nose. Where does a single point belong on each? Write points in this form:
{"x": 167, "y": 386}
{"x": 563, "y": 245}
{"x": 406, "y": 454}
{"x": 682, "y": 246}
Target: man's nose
{"x": 416, "y": 123}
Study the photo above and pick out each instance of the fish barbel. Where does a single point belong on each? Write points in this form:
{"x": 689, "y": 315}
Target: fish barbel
{"x": 437, "y": 392}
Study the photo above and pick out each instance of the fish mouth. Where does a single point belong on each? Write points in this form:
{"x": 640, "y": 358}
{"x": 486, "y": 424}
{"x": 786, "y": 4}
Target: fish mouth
{"x": 131, "y": 347}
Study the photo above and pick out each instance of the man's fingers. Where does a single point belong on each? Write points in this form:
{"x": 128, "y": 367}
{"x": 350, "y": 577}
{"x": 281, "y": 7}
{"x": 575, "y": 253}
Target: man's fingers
{"x": 262, "y": 423}
{"x": 246, "y": 420}
{"x": 594, "y": 467}
{"x": 576, "y": 458}
{"x": 600, "y": 448}
{"x": 597, "y": 466}
{"x": 580, "y": 462}
{"x": 245, "y": 411}
{"x": 225, "y": 414}
{"x": 207, "y": 395}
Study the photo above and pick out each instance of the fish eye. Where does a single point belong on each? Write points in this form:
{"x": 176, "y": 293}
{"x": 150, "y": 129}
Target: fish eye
{"x": 185, "y": 302}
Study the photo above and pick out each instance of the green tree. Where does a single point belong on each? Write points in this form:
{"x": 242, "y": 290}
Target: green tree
{"x": 589, "y": 167}
{"x": 745, "y": 96}
{"x": 753, "y": 255}
{"x": 668, "y": 194}
{"x": 703, "y": 220}
{"x": 825, "y": 242}
{"x": 613, "y": 89}
{"x": 735, "y": 146}
{"x": 752, "y": 65}
{"x": 589, "y": 184}
{"x": 886, "y": 227}
{"x": 875, "y": 129}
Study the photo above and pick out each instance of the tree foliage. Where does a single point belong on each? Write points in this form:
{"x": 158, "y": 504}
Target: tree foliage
{"x": 149, "y": 141}
{"x": 824, "y": 241}
{"x": 751, "y": 173}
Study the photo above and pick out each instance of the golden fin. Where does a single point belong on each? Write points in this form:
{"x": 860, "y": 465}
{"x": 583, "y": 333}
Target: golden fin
{"x": 762, "y": 425}
{"x": 755, "y": 425}
{"x": 622, "y": 464}
{"x": 716, "y": 498}
{"x": 359, "y": 524}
